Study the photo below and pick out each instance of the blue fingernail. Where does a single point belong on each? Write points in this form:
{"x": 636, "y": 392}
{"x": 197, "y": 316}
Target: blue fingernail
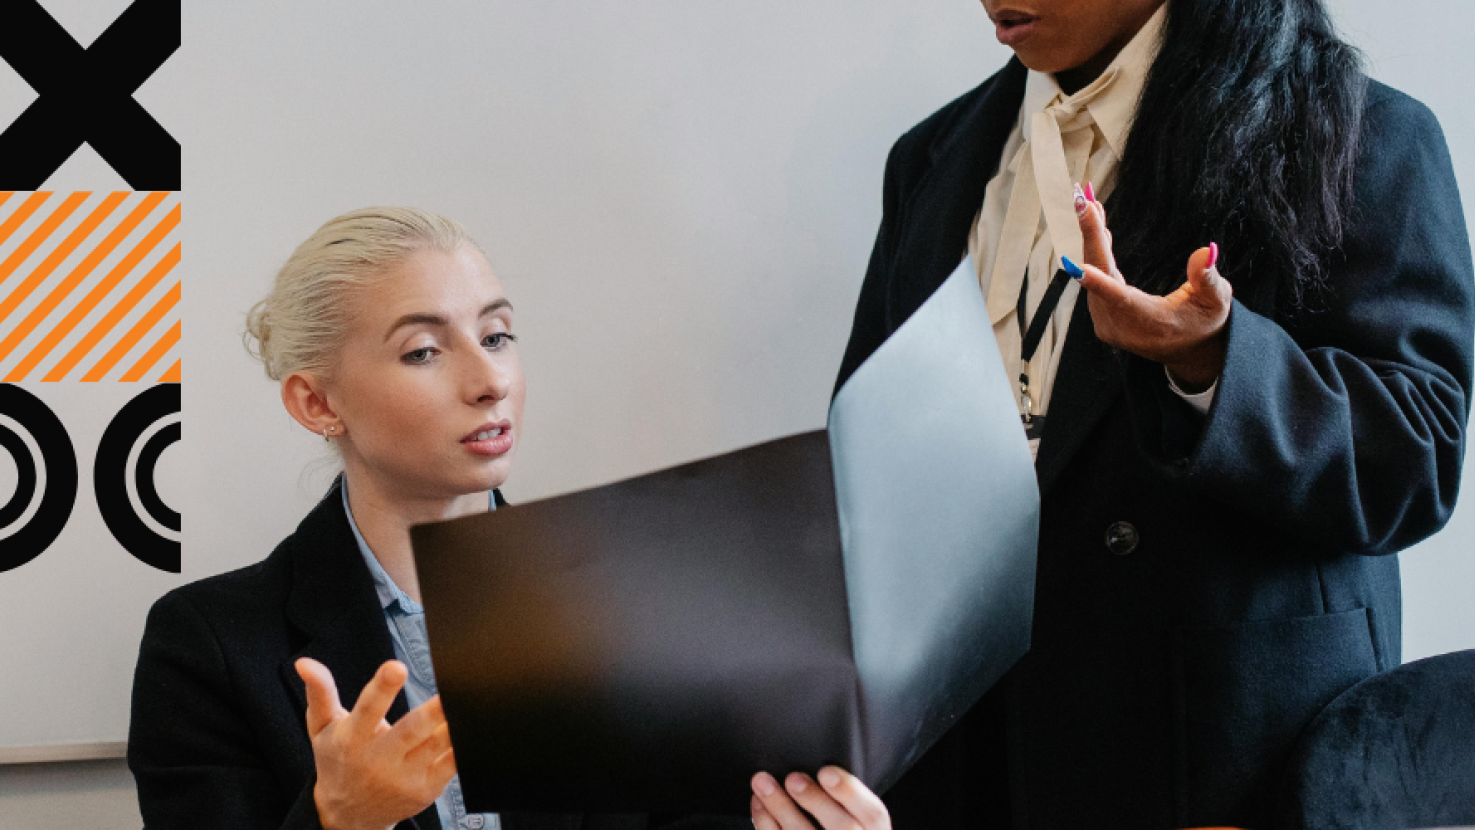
{"x": 1071, "y": 268}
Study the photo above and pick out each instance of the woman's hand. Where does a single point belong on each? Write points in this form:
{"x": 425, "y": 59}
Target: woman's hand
{"x": 371, "y": 774}
{"x": 838, "y": 801}
{"x": 1184, "y": 331}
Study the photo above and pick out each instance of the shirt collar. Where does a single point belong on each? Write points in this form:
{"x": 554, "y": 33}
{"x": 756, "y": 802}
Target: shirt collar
{"x": 1116, "y": 107}
{"x": 384, "y": 587}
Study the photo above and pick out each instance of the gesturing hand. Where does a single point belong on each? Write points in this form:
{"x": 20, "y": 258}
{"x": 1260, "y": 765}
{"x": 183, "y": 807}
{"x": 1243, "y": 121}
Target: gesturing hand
{"x": 371, "y": 774}
{"x": 1184, "y": 331}
{"x": 838, "y": 801}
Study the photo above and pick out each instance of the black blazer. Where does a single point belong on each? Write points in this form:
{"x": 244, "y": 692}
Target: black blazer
{"x": 218, "y": 737}
{"x": 1251, "y": 573}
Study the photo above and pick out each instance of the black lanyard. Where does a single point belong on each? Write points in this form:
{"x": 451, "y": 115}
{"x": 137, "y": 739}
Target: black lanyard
{"x": 1034, "y": 425}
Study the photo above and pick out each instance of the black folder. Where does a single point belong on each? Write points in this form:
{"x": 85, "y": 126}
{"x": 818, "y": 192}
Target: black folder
{"x": 836, "y": 597}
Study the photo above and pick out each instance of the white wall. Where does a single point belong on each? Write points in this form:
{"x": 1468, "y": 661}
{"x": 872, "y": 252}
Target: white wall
{"x": 680, "y": 196}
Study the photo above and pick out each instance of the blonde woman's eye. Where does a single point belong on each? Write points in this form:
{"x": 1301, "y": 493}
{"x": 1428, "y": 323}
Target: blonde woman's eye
{"x": 498, "y": 340}
{"x": 418, "y": 356}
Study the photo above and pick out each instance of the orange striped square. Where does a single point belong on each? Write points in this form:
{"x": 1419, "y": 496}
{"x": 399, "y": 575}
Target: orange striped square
{"x": 88, "y": 287}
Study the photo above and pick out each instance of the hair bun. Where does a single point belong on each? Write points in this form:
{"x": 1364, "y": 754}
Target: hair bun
{"x": 302, "y": 323}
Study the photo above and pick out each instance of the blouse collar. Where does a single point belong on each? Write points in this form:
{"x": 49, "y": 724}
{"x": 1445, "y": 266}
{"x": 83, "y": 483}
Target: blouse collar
{"x": 388, "y": 592}
{"x": 1115, "y": 106}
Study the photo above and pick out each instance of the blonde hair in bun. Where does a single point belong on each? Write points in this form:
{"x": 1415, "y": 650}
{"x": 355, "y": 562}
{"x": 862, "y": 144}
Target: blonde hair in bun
{"x": 303, "y": 322}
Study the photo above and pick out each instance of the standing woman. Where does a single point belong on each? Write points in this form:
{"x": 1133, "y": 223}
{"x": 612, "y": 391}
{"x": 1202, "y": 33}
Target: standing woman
{"x": 1229, "y": 458}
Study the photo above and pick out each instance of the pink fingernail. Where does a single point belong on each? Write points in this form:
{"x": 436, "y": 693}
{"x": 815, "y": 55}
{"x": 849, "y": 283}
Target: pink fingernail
{"x": 1213, "y": 254}
{"x": 1080, "y": 200}
{"x": 798, "y": 783}
{"x": 764, "y": 784}
{"x": 1090, "y": 194}
{"x": 829, "y": 778}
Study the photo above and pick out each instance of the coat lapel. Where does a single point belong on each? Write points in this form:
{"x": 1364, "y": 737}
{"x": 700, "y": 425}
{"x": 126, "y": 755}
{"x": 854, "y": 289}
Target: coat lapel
{"x": 1087, "y": 383}
{"x": 936, "y": 223}
{"x": 334, "y": 605}
{"x": 936, "y": 220}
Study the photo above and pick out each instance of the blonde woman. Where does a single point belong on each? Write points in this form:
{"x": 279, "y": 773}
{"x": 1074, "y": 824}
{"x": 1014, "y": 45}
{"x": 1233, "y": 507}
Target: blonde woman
{"x": 264, "y": 697}
{"x": 298, "y": 692}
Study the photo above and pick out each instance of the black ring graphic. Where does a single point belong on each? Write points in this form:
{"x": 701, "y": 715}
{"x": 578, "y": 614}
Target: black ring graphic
{"x": 60, "y": 462}
{"x": 25, "y": 468}
{"x": 110, "y": 476}
{"x": 143, "y": 476}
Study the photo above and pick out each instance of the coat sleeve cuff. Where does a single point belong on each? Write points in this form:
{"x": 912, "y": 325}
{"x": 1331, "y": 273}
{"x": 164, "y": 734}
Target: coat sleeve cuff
{"x": 1170, "y": 424}
{"x": 304, "y": 812}
{"x": 1200, "y": 401}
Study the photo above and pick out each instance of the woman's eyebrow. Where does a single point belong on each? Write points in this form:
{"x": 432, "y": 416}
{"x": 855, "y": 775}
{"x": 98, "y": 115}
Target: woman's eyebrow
{"x": 427, "y": 319}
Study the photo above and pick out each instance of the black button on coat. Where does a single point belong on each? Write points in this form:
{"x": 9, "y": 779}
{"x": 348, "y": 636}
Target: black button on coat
{"x": 1121, "y": 538}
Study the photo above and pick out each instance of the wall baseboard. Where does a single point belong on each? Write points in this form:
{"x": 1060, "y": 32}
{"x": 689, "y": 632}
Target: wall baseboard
{"x": 62, "y": 752}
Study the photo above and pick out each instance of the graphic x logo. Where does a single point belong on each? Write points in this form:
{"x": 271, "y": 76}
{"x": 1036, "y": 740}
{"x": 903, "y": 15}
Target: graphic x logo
{"x": 87, "y": 95}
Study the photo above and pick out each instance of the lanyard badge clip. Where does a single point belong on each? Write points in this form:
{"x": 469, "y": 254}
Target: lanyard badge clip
{"x": 1029, "y": 340}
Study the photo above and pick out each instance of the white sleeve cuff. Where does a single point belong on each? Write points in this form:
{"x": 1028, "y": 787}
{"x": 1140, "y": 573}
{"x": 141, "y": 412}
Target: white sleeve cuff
{"x": 1199, "y": 401}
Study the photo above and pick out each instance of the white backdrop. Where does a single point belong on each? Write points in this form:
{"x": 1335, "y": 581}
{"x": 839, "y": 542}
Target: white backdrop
{"x": 679, "y": 195}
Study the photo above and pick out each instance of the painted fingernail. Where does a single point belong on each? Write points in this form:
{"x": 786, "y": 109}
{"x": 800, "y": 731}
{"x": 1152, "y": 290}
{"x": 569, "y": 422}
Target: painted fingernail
{"x": 764, "y": 784}
{"x": 1213, "y": 254}
{"x": 797, "y": 783}
{"x": 829, "y": 778}
{"x": 1071, "y": 268}
{"x": 1090, "y": 194}
{"x": 1081, "y": 203}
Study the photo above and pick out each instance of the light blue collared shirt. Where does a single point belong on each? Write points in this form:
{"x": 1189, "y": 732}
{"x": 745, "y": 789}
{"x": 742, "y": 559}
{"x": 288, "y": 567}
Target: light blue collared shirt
{"x": 406, "y": 620}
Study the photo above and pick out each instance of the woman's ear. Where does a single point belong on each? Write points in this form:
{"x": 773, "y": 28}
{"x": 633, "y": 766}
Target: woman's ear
{"x": 306, "y": 399}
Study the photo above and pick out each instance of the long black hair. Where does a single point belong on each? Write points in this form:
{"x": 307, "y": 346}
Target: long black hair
{"x": 1246, "y": 134}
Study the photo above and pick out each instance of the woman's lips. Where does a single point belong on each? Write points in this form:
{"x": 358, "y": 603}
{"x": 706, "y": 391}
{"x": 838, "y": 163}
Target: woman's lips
{"x": 490, "y": 442}
{"x": 1011, "y": 31}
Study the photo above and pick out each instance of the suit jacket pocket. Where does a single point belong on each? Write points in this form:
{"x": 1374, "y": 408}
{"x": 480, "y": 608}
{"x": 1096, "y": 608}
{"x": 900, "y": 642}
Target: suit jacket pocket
{"x": 1243, "y": 695}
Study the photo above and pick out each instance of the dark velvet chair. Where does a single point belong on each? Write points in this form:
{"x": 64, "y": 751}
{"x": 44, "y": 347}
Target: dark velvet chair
{"x": 1395, "y": 751}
